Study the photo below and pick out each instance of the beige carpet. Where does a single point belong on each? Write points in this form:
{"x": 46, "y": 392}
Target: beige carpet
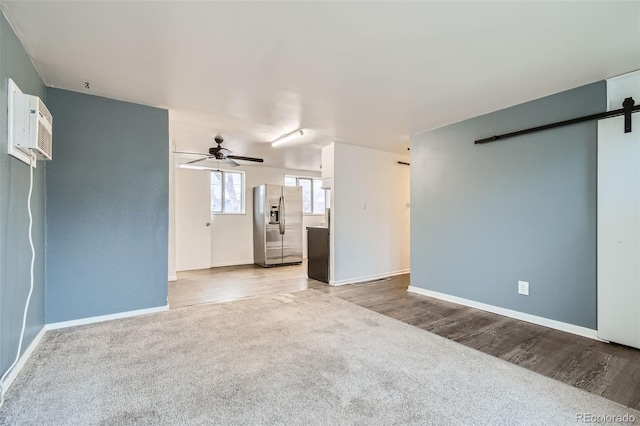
{"x": 297, "y": 359}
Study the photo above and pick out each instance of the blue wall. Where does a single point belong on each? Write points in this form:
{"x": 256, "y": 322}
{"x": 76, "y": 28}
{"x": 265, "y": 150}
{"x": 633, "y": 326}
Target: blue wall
{"x": 107, "y": 207}
{"x": 485, "y": 216}
{"x": 15, "y": 252}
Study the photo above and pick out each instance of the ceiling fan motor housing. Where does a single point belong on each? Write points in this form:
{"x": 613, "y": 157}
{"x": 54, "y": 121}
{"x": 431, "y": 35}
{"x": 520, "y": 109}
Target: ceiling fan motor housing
{"x": 219, "y": 152}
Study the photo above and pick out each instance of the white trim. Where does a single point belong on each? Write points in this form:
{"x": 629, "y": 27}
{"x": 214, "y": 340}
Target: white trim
{"x": 545, "y": 322}
{"x": 236, "y": 263}
{"x": 101, "y": 318}
{"x": 369, "y": 277}
{"x": 172, "y": 278}
{"x": 23, "y": 360}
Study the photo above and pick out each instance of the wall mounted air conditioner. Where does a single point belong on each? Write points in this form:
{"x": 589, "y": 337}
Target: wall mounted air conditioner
{"x": 30, "y": 126}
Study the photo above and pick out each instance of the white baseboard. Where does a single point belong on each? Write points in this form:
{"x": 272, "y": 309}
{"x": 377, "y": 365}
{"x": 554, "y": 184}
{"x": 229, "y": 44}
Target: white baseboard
{"x": 239, "y": 263}
{"x": 369, "y": 277}
{"x": 22, "y": 360}
{"x": 101, "y": 318}
{"x": 545, "y": 322}
{"x": 172, "y": 278}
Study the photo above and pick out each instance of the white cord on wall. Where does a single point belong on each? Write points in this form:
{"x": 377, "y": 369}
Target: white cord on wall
{"x": 26, "y": 306}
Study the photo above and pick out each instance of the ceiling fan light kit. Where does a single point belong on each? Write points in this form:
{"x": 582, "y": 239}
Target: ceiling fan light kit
{"x": 287, "y": 138}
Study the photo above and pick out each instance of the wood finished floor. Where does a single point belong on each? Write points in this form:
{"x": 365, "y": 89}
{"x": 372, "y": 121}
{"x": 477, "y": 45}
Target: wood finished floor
{"x": 236, "y": 282}
{"x": 608, "y": 370}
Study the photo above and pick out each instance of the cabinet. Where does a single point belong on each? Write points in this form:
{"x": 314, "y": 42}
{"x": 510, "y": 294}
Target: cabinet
{"x": 318, "y": 253}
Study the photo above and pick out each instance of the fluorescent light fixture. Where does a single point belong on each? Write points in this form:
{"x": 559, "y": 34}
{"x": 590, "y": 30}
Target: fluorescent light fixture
{"x": 288, "y": 137}
{"x": 209, "y": 168}
{"x": 193, "y": 167}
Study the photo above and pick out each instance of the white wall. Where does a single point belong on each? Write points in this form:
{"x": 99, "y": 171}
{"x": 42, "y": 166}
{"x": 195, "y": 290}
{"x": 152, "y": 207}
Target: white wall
{"x": 328, "y": 155}
{"x": 172, "y": 216}
{"x": 328, "y": 152}
{"x": 621, "y": 87}
{"x": 232, "y": 235}
{"x": 370, "y": 216}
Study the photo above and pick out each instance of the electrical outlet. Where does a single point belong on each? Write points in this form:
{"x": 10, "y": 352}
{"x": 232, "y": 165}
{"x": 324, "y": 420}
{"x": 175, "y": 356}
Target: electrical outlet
{"x": 523, "y": 287}
{"x": 364, "y": 205}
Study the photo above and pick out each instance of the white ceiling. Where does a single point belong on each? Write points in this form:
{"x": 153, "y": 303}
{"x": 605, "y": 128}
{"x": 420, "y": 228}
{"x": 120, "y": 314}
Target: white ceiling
{"x": 366, "y": 73}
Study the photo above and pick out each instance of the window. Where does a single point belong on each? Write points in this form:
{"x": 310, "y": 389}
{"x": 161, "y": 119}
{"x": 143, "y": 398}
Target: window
{"x": 227, "y": 192}
{"x": 307, "y": 195}
{"x": 313, "y": 196}
{"x": 318, "y": 196}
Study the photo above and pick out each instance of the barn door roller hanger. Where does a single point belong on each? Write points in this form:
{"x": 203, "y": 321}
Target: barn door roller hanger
{"x": 628, "y": 107}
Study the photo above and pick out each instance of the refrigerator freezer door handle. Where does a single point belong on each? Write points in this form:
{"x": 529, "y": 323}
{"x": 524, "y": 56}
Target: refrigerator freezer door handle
{"x": 281, "y": 213}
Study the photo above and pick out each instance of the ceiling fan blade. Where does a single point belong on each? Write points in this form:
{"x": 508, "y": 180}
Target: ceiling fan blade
{"x": 198, "y": 160}
{"x": 190, "y": 153}
{"x": 231, "y": 162}
{"x": 237, "y": 157}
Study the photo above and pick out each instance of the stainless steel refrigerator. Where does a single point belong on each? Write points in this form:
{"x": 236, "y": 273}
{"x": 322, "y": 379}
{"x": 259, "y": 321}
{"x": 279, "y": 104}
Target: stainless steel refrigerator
{"x": 277, "y": 225}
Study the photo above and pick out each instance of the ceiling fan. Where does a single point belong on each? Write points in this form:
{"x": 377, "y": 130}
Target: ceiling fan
{"x": 220, "y": 153}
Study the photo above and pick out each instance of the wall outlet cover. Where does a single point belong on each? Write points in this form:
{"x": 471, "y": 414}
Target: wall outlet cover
{"x": 523, "y": 287}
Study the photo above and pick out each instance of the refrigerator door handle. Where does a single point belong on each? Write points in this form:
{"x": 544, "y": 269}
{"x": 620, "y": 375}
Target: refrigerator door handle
{"x": 281, "y": 213}
{"x": 284, "y": 215}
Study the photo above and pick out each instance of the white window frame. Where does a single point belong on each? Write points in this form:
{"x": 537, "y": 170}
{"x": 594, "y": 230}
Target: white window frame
{"x": 243, "y": 191}
{"x": 311, "y": 178}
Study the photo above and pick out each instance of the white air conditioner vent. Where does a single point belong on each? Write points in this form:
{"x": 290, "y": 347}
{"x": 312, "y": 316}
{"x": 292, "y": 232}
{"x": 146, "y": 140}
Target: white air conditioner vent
{"x": 32, "y": 126}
